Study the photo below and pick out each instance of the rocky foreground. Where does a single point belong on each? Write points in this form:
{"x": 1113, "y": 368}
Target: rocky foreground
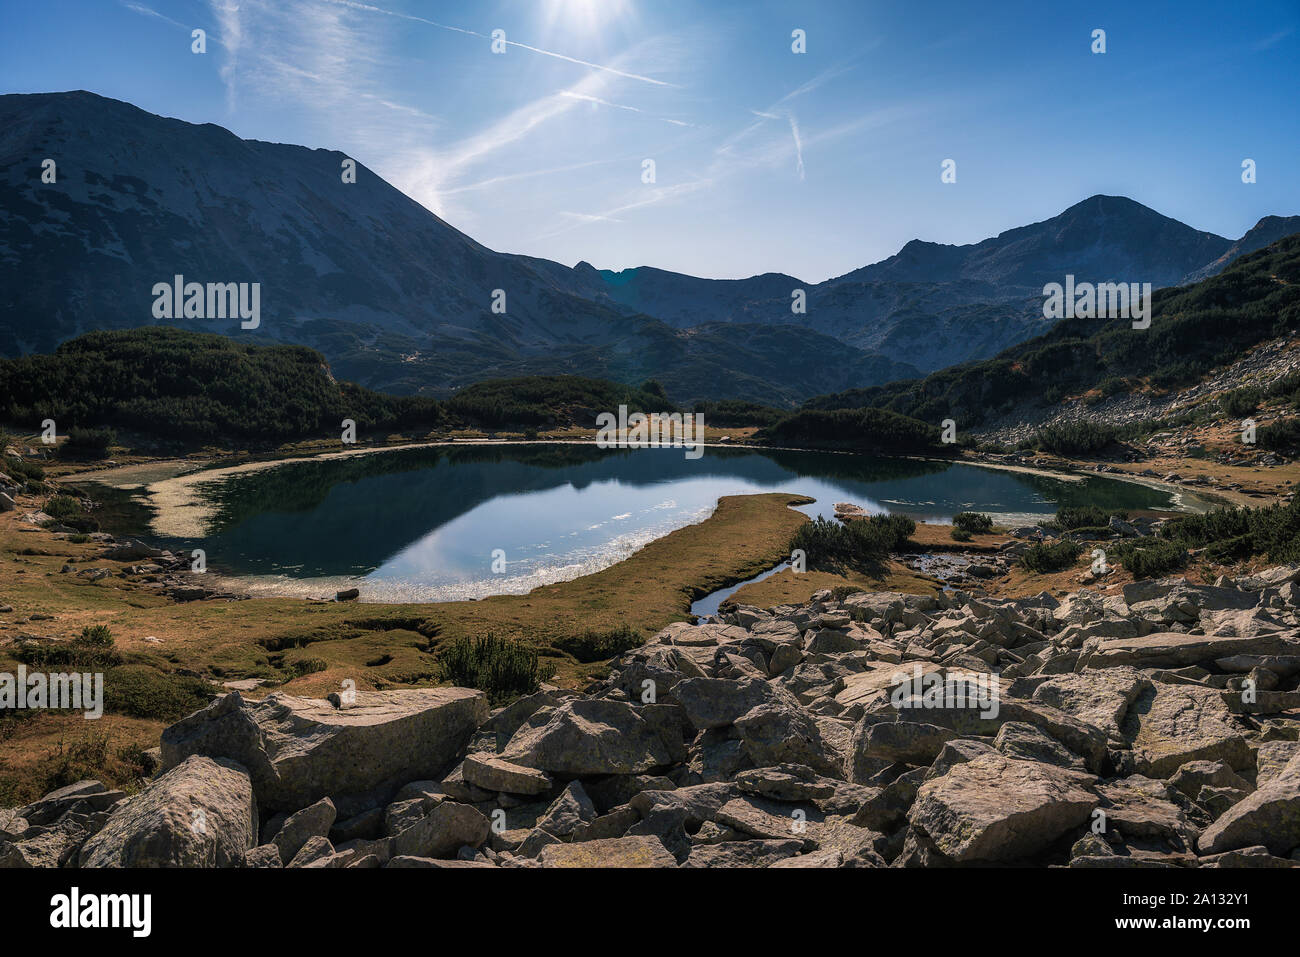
{"x": 1160, "y": 728}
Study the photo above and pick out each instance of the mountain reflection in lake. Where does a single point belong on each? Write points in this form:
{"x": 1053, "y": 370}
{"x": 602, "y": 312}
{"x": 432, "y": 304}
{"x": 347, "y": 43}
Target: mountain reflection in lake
{"x": 423, "y": 524}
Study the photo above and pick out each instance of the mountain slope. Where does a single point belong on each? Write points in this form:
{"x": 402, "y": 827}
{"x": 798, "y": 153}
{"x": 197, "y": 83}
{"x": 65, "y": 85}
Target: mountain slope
{"x": 393, "y": 296}
{"x": 398, "y": 300}
{"x": 1194, "y": 329}
{"x": 1268, "y": 230}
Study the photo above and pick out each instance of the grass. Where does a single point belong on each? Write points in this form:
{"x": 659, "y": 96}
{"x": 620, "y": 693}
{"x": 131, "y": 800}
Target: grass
{"x": 309, "y": 649}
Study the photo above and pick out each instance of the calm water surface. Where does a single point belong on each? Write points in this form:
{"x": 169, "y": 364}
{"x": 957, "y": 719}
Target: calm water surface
{"x": 423, "y": 524}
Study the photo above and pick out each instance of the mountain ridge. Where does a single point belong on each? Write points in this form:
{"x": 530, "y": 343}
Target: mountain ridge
{"x": 399, "y": 300}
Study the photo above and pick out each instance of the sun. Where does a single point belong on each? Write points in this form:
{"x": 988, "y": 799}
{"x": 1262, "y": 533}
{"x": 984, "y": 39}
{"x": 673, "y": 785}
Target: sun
{"x": 583, "y": 16}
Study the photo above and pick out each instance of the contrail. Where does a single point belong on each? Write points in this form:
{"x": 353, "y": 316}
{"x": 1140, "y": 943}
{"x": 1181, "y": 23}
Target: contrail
{"x": 355, "y": 5}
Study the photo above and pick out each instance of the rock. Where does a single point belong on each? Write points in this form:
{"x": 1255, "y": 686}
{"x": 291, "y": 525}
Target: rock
{"x": 264, "y": 855}
{"x": 776, "y": 734}
{"x": 911, "y": 742}
{"x": 742, "y": 853}
{"x": 55, "y": 845}
{"x": 766, "y": 820}
{"x": 1140, "y": 807}
{"x": 314, "y": 821}
{"x": 1270, "y": 817}
{"x": 995, "y": 808}
{"x": 348, "y": 594}
{"x": 85, "y": 796}
{"x": 316, "y": 850}
{"x": 638, "y": 851}
{"x": 827, "y": 858}
{"x": 1016, "y": 739}
{"x": 572, "y": 808}
{"x": 496, "y": 774}
{"x": 786, "y": 782}
{"x": 1100, "y": 698}
{"x": 1194, "y": 775}
{"x": 718, "y": 703}
{"x": 590, "y": 736}
{"x": 201, "y": 813}
{"x": 443, "y": 831}
{"x": 1174, "y": 649}
{"x": 298, "y": 750}
{"x": 1170, "y": 725}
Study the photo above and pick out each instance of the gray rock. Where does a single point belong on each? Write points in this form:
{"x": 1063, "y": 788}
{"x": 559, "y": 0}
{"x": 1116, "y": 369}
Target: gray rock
{"x": 591, "y": 736}
{"x": 201, "y": 813}
{"x": 572, "y": 808}
{"x": 314, "y": 821}
{"x": 1269, "y": 817}
{"x": 443, "y": 831}
{"x": 996, "y": 808}
{"x": 497, "y": 774}
{"x": 760, "y": 853}
{"x": 299, "y": 750}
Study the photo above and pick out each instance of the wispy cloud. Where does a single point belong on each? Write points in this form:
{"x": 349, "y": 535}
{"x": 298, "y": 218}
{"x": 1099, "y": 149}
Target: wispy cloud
{"x": 144, "y": 11}
{"x": 370, "y": 8}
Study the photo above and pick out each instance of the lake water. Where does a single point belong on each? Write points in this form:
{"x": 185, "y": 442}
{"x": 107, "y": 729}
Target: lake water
{"x": 424, "y": 524}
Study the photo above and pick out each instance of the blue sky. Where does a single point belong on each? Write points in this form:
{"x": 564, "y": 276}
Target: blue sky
{"x": 811, "y": 164}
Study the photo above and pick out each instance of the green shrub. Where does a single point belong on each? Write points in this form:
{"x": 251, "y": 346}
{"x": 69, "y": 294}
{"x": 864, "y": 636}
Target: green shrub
{"x": 841, "y": 592}
{"x": 1084, "y": 516}
{"x": 501, "y": 667}
{"x": 142, "y": 691}
{"x": 92, "y": 650}
{"x": 600, "y": 645}
{"x": 1075, "y": 438}
{"x": 63, "y": 507}
{"x": 857, "y": 543}
{"x": 1280, "y": 436}
{"x": 1150, "y": 557}
{"x": 88, "y": 443}
{"x": 1240, "y": 402}
{"x": 960, "y": 534}
{"x": 973, "y": 523}
{"x": 1043, "y": 558}
{"x": 1229, "y": 534}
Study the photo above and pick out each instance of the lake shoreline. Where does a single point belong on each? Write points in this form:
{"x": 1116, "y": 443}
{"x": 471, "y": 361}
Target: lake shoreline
{"x": 180, "y": 510}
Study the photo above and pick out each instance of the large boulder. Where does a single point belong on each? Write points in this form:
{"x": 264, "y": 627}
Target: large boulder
{"x": 1175, "y": 649}
{"x": 1269, "y": 817}
{"x": 1169, "y": 725}
{"x": 593, "y": 736}
{"x": 996, "y": 808}
{"x": 201, "y": 813}
{"x": 299, "y": 750}
{"x": 718, "y": 703}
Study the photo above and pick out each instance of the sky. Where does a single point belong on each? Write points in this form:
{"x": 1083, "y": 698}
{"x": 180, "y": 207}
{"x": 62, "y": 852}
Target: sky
{"x": 765, "y": 159}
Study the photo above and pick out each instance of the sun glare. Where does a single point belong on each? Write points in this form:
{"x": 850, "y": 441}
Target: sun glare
{"x": 583, "y": 16}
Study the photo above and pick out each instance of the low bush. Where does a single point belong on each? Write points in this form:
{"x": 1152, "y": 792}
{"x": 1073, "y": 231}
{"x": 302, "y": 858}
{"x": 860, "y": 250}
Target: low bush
{"x": 501, "y": 667}
{"x": 92, "y": 650}
{"x": 600, "y": 645}
{"x": 974, "y": 523}
{"x": 1150, "y": 557}
{"x": 857, "y": 543}
{"x": 1042, "y": 558}
{"x": 142, "y": 691}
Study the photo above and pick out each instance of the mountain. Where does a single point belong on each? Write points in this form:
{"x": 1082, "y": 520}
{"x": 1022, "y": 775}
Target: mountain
{"x": 934, "y": 305}
{"x": 394, "y": 297}
{"x": 1268, "y": 230}
{"x": 400, "y": 301}
{"x": 1194, "y": 330}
